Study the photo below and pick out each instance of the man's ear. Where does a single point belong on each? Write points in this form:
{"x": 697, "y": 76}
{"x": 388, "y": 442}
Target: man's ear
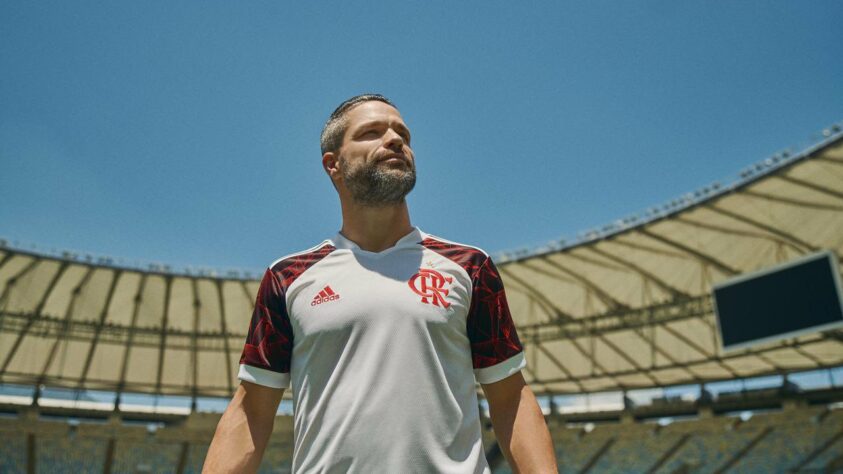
{"x": 330, "y": 163}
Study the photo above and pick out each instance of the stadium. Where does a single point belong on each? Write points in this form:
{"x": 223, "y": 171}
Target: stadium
{"x": 112, "y": 368}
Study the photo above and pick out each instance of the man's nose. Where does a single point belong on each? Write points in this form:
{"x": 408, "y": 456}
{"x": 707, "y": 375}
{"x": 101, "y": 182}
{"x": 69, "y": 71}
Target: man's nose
{"x": 393, "y": 140}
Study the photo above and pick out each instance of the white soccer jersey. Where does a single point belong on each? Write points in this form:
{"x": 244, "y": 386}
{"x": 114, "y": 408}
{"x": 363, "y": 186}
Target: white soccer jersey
{"x": 382, "y": 350}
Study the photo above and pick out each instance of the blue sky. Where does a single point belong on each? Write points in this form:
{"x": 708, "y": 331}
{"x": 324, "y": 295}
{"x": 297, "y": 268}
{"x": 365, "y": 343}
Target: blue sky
{"x": 187, "y": 132}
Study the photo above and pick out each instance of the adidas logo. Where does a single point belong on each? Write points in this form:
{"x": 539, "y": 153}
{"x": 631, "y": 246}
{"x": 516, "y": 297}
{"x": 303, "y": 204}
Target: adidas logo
{"x": 327, "y": 294}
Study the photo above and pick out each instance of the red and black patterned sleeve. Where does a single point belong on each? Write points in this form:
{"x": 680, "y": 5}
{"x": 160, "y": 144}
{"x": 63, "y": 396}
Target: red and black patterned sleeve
{"x": 269, "y": 343}
{"x": 267, "y": 355}
{"x": 495, "y": 348}
{"x": 496, "y": 352}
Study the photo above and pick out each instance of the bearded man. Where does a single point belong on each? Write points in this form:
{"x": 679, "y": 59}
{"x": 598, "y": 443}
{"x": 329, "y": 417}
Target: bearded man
{"x": 382, "y": 333}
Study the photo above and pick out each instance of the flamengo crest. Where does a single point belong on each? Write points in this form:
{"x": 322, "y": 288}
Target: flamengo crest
{"x": 429, "y": 284}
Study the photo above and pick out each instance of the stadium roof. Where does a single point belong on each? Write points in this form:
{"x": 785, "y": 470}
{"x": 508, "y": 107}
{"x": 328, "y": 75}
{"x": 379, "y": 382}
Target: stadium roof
{"x": 628, "y": 308}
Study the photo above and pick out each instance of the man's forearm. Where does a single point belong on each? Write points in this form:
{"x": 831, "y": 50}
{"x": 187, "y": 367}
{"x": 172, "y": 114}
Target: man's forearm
{"x": 234, "y": 447}
{"x": 241, "y": 437}
{"x": 522, "y": 433}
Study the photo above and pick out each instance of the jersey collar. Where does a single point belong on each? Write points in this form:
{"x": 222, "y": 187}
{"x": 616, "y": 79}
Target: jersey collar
{"x": 414, "y": 237}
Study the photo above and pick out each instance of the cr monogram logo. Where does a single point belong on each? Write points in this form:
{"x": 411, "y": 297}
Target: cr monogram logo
{"x": 429, "y": 283}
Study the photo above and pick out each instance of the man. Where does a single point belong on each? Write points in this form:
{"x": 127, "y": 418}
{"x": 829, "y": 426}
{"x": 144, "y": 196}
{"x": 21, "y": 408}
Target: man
{"x": 381, "y": 332}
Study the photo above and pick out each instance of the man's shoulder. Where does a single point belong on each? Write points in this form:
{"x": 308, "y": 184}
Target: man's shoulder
{"x": 467, "y": 256}
{"x": 290, "y": 266}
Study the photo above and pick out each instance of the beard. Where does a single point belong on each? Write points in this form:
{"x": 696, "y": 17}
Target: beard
{"x": 377, "y": 185}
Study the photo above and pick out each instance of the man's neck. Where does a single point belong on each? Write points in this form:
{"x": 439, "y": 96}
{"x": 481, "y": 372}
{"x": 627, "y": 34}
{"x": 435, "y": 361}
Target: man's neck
{"x": 375, "y": 229}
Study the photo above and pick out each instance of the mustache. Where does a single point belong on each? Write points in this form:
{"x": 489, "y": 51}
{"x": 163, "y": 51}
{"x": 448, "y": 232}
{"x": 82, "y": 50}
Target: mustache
{"x": 388, "y": 156}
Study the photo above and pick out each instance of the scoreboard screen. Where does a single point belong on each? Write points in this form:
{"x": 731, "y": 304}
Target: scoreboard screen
{"x": 787, "y": 300}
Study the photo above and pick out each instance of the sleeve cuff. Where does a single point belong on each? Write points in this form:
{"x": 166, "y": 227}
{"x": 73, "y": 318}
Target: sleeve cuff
{"x": 501, "y": 370}
{"x": 263, "y": 377}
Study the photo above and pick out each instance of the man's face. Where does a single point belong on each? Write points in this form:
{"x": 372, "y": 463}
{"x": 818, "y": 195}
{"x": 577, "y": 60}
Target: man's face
{"x": 376, "y": 162}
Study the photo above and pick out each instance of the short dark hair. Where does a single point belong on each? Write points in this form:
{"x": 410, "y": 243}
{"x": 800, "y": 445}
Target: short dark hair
{"x": 337, "y": 124}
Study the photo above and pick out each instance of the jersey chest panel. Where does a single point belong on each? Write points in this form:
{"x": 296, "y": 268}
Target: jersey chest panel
{"x": 411, "y": 289}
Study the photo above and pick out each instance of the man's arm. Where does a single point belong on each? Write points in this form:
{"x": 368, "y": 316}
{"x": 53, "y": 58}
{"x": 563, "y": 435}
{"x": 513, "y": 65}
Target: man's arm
{"x": 519, "y": 426}
{"x": 243, "y": 431}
